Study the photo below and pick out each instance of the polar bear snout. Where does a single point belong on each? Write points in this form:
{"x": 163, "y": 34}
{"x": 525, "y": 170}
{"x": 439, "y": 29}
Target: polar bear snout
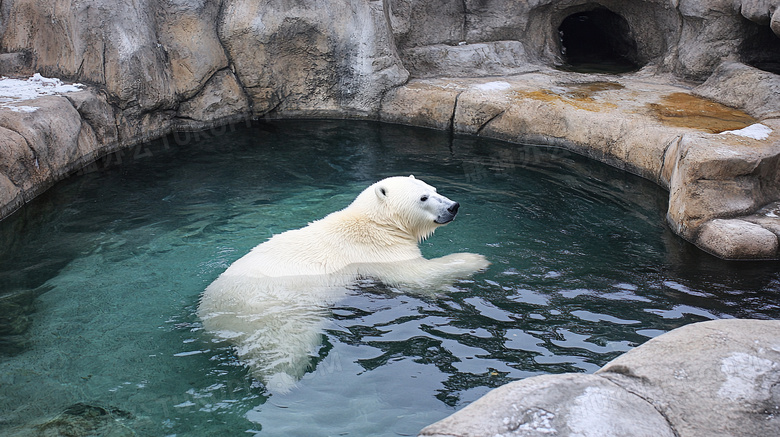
{"x": 448, "y": 214}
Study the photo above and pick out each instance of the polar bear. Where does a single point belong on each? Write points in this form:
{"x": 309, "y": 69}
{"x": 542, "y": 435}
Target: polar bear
{"x": 272, "y": 303}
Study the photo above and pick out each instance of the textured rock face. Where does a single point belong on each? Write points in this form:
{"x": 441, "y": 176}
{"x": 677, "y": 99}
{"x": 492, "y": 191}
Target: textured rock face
{"x": 687, "y": 37}
{"x": 311, "y": 57}
{"x": 157, "y": 65}
{"x": 153, "y": 66}
{"x": 558, "y": 405}
{"x": 705, "y": 379}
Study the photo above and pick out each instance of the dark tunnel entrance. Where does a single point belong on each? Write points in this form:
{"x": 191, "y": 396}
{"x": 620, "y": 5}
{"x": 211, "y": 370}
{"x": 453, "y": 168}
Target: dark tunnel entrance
{"x": 761, "y": 48}
{"x": 597, "y": 41}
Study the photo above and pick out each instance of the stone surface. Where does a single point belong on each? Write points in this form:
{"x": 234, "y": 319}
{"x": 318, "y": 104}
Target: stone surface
{"x": 741, "y": 86}
{"x": 499, "y": 58}
{"x": 559, "y": 405}
{"x": 705, "y": 379}
{"x": 220, "y": 99}
{"x": 737, "y": 238}
{"x": 80, "y": 420}
{"x": 15, "y": 64}
{"x": 711, "y": 378}
{"x": 311, "y": 58}
{"x": 774, "y": 24}
{"x": 153, "y": 66}
{"x": 759, "y": 11}
{"x": 721, "y": 175}
{"x": 194, "y": 52}
{"x": 767, "y": 217}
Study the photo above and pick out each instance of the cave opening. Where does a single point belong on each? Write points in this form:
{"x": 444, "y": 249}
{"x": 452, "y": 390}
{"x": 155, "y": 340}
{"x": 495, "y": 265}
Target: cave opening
{"x": 761, "y": 48}
{"x": 597, "y": 41}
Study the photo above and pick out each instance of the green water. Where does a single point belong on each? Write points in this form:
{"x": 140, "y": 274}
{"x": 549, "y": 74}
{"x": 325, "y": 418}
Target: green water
{"x": 100, "y": 278}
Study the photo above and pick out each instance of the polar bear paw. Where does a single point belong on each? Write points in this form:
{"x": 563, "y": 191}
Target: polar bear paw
{"x": 465, "y": 262}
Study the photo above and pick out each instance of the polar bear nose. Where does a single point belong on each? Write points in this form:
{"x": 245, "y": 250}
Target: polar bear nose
{"x": 453, "y": 209}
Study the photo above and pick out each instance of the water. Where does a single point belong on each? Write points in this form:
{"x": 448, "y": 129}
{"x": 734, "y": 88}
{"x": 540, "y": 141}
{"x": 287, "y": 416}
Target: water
{"x": 100, "y": 279}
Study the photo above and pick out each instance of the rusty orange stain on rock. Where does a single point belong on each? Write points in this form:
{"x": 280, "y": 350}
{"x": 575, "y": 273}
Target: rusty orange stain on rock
{"x": 578, "y": 95}
{"x": 687, "y": 110}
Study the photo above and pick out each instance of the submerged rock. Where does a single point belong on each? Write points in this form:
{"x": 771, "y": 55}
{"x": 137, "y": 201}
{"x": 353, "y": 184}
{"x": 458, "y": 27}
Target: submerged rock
{"x": 15, "y": 310}
{"x": 81, "y": 420}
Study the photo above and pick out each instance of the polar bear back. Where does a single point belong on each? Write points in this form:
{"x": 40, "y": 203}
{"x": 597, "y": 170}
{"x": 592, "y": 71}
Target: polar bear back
{"x": 325, "y": 247}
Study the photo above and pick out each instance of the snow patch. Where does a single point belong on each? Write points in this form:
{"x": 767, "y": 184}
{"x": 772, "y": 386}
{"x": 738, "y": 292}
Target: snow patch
{"x": 13, "y": 91}
{"x": 748, "y": 377}
{"x": 493, "y": 86}
{"x": 756, "y": 131}
{"x": 538, "y": 421}
{"x": 21, "y": 108}
{"x": 592, "y": 413}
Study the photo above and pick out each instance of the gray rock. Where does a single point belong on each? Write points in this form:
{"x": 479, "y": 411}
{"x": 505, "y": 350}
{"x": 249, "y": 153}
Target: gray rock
{"x": 737, "y": 238}
{"x": 767, "y": 217}
{"x": 15, "y": 64}
{"x": 759, "y": 11}
{"x": 313, "y": 59}
{"x": 740, "y": 86}
{"x": 774, "y": 24}
{"x": 425, "y": 23}
{"x": 80, "y": 420}
{"x": 705, "y": 379}
{"x": 148, "y": 75}
{"x": 555, "y": 405}
{"x": 49, "y": 151}
{"x": 721, "y": 176}
{"x": 498, "y": 58}
{"x": 711, "y": 378}
{"x": 221, "y": 98}
{"x": 187, "y": 31}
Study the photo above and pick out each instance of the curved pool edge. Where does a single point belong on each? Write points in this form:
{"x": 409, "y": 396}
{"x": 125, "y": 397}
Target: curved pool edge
{"x": 724, "y": 188}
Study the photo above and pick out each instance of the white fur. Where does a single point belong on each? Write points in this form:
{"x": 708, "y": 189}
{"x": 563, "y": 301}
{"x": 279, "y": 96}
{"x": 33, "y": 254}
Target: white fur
{"x": 272, "y": 302}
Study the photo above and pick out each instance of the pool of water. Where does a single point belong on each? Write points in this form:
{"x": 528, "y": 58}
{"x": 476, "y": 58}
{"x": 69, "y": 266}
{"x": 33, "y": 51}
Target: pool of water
{"x": 100, "y": 279}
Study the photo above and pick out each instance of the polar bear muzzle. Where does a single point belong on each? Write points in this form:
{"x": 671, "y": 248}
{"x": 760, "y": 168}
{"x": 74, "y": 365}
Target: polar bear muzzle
{"x": 448, "y": 214}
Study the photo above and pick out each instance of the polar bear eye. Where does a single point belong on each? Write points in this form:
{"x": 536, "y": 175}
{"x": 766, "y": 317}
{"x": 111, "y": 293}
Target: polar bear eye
{"x": 423, "y": 198}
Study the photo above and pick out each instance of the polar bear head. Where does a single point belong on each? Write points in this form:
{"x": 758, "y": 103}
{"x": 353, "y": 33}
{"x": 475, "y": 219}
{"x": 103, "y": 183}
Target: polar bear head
{"x": 408, "y": 205}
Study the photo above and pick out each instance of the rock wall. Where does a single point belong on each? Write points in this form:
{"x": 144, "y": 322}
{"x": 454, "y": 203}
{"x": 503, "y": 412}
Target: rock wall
{"x": 340, "y": 56}
{"x": 155, "y": 55}
{"x": 153, "y": 66}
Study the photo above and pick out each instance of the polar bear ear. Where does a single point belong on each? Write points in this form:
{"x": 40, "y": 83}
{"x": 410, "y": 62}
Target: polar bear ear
{"x": 411, "y": 176}
{"x": 381, "y": 192}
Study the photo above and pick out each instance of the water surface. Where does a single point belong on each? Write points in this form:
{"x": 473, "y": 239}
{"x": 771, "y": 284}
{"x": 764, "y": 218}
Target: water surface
{"x": 100, "y": 278}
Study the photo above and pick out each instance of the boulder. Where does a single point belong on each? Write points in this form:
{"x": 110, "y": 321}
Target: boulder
{"x": 80, "y": 419}
{"x": 710, "y": 378}
{"x": 724, "y": 175}
{"x": 758, "y": 11}
{"x": 188, "y": 33}
{"x": 49, "y": 151}
{"x": 735, "y": 238}
{"x": 555, "y": 405}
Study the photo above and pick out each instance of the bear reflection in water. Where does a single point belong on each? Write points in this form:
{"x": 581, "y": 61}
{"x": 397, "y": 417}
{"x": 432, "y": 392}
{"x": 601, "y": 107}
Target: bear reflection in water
{"x": 272, "y": 303}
